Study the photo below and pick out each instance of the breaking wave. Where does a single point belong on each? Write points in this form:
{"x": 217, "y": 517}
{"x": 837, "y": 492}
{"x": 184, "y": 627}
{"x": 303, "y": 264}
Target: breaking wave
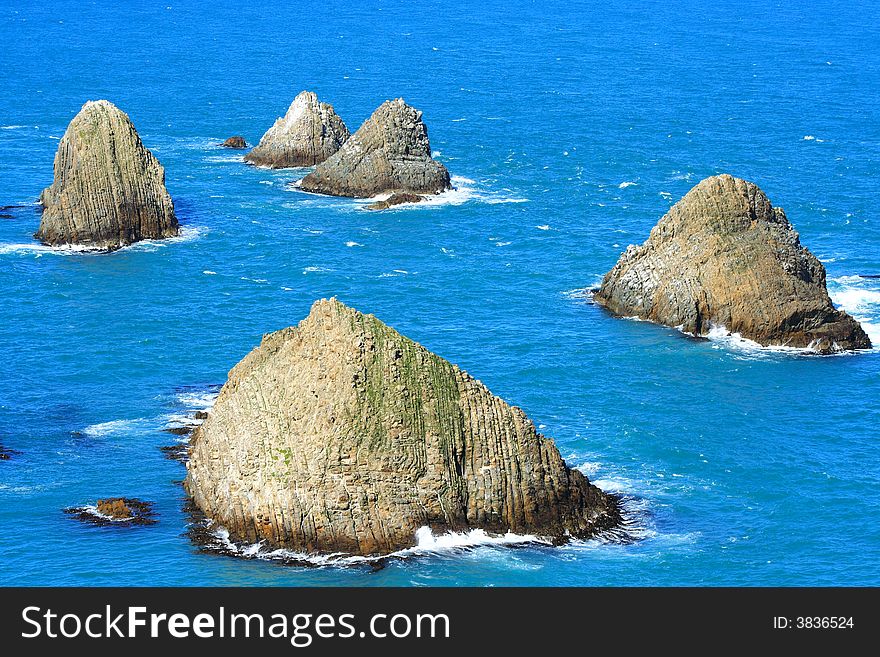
{"x": 187, "y": 234}
{"x": 427, "y": 544}
{"x": 635, "y": 526}
{"x": 114, "y": 428}
{"x": 860, "y": 297}
{"x": 464, "y": 190}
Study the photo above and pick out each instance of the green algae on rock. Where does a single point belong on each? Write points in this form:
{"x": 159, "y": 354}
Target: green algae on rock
{"x": 341, "y": 435}
{"x": 109, "y": 189}
{"x": 723, "y": 256}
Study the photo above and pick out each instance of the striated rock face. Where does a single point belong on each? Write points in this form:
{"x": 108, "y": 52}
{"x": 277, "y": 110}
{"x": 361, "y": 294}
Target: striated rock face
{"x": 235, "y": 142}
{"x": 389, "y": 153}
{"x": 723, "y": 256}
{"x": 395, "y": 199}
{"x": 308, "y": 134}
{"x": 341, "y": 435}
{"x": 109, "y": 190}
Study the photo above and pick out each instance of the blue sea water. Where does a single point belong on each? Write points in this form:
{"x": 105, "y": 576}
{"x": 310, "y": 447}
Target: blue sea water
{"x": 569, "y": 129}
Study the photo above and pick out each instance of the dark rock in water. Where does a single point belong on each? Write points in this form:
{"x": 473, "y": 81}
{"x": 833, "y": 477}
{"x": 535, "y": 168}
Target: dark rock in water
{"x": 180, "y": 431}
{"x": 109, "y": 190}
{"x": 723, "y": 256}
{"x": 395, "y": 199}
{"x": 179, "y": 452}
{"x": 116, "y": 511}
{"x": 6, "y": 211}
{"x": 342, "y": 435}
{"x": 308, "y": 134}
{"x": 235, "y": 142}
{"x": 389, "y": 153}
{"x": 198, "y": 528}
{"x": 6, "y": 454}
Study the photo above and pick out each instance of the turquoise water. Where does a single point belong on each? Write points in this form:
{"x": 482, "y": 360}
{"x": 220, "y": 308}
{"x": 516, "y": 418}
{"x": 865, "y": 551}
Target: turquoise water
{"x": 569, "y": 132}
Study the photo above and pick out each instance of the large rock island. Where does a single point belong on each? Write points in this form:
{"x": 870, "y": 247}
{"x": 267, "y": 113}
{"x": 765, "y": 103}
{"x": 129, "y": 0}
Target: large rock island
{"x": 308, "y": 134}
{"x": 723, "y": 256}
{"x": 109, "y": 189}
{"x": 342, "y": 435}
{"x": 389, "y": 153}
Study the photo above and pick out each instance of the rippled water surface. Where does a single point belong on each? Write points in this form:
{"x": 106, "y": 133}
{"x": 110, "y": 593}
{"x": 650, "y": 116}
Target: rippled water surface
{"x": 569, "y": 131}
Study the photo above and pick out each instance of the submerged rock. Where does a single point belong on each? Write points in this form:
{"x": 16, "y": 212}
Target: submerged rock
{"x": 7, "y": 454}
{"x": 235, "y": 142}
{"x": 184, "y": 427}
{"x": 723, "y": 256}
{"x": 342, "y": 435}
{"x": 178, "y": 452}
{"x": 116, "y": 511}
{"x": 184, "y": 430}
{"x": 395, "y": 199}
{"x": 109, "y": 190}
{"x": 389, "y": 153}
{"x": 308, "y": 134}
{"x": 6, "y": 211}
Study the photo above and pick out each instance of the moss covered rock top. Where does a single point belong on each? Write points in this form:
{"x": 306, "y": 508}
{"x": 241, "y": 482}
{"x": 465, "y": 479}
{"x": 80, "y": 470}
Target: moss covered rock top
{"x": 342, "y": 435}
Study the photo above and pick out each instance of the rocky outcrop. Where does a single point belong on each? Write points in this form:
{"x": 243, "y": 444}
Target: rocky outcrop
{"x": 115, "y": 511}
{"x": 183, "y": 428}
{"x": 109, "y": 190}
{"x": 389, "y": 153}
{"x": 342, "y": 435}
{"x": 723, "y": 256}
{"x": 395, "y": 199}
{"x": 235, "y": 142}
{"x": 115, "y": 508}
{"x": 308, "y": 134}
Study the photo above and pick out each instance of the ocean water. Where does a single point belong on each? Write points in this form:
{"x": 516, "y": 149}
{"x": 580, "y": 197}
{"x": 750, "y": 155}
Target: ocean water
{"x": 569, "y": 129}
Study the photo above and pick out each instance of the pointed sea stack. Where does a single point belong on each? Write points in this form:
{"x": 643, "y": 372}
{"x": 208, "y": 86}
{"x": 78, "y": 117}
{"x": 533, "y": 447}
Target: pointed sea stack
{"x": 342, "y": 435}
{"x": 109, "y": 189}
{"x": 723, "y": 256}
{"x": 308, "y": 134}
{"x": 389, "y": 153}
